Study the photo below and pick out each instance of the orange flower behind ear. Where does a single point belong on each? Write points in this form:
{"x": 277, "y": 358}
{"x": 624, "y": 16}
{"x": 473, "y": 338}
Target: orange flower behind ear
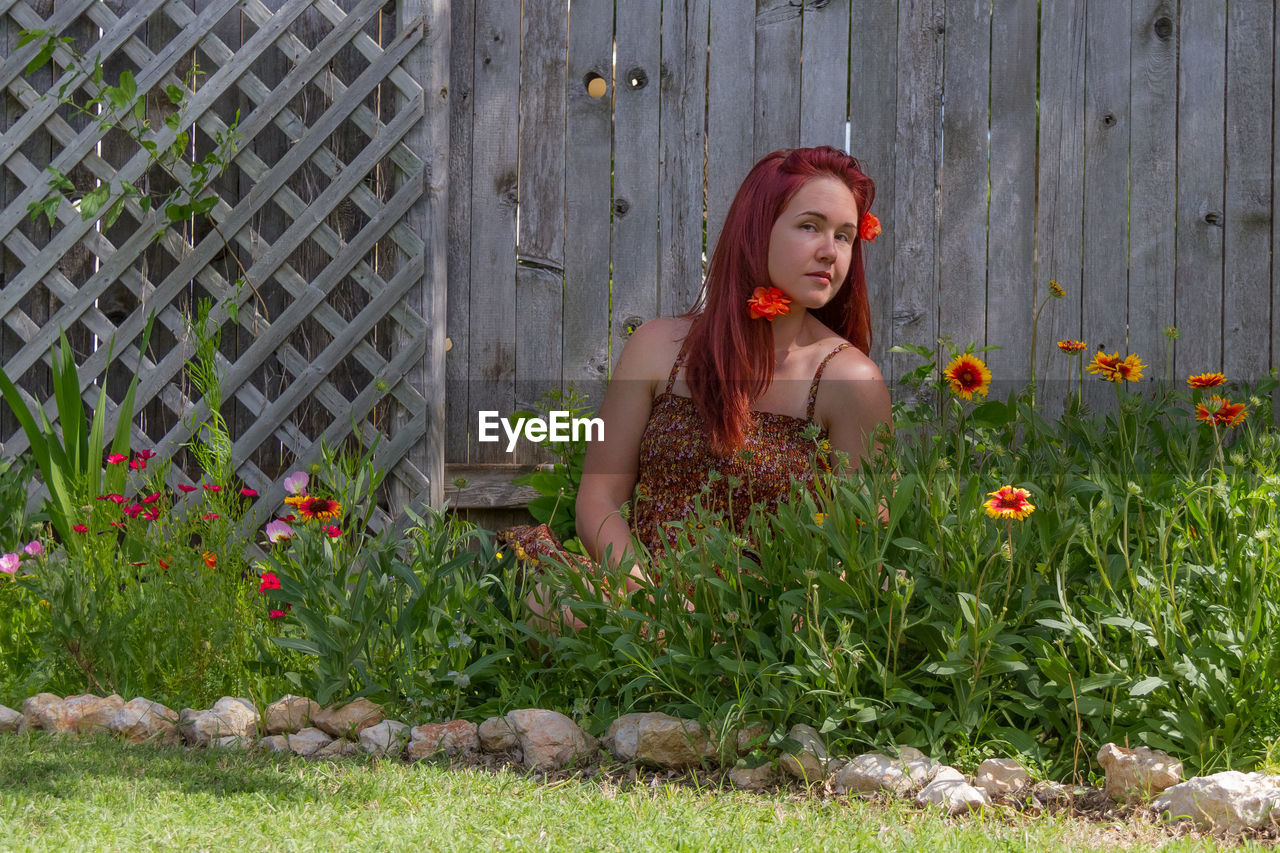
{"x": 869, "y": 228}
{"x": 768, "y": 303}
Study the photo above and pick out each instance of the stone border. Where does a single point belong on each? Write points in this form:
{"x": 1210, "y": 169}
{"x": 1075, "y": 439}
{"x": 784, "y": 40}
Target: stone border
{"x": 1229, "y": 803}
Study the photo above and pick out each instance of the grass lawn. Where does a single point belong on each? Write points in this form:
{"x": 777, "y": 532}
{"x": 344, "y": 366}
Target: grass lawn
{"x": 58, "y": 794}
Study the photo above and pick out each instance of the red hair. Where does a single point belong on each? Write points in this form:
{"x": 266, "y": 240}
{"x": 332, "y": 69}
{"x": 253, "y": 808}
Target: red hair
{"x": 729, "y": 357}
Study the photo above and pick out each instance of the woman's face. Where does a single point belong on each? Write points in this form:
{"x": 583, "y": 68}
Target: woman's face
{"x": 811, "y": 244}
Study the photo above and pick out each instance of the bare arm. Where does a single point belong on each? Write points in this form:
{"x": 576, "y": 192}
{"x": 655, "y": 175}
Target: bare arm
{"x": 611, "y": 467}
{"x": 854, "y": 404}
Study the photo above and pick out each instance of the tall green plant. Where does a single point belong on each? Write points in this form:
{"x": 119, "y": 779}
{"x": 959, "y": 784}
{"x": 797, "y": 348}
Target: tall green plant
{"x": 70, "y": 458}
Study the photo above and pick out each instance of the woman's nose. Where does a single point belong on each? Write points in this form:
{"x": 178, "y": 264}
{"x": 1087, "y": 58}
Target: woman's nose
{"x": 827, "y": 249}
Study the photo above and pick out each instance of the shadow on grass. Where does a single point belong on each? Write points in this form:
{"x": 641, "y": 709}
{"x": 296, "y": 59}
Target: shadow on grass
{"x": 39, "y": 764}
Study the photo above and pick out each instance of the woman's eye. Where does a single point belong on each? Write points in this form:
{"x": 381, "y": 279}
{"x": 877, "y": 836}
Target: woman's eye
{"x": 845, "y": 236}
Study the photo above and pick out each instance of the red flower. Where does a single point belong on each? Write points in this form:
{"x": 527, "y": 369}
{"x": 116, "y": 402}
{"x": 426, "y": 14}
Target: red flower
{"x": 288, "y": 517}
{"x": 332, "y": 532}
{"x": 117, "y": 524}
{"x": 187, "y": 489}
{"x": 249, "y": 493}
{"x": 151, "y": 498}
{"x": 768, "y": 303}
{"x": 132, "y": 510}
{"x": 152, "y": 515}
{"x": 80, "y": 528}
{"x": 269, "y": 581}
{"x": 1206, "y": 380}
{"x": 869, "y": 228}
{"x": 138, "y": 464}
{"x": 276, "y": 614}
{"x": 116, "y": 458}
{"x": 1221, "y": 411}
{"x": 210, "y": 487}
{"x": 210, "y": 516}
{"x": 114, "y": 498}
{"x": 163, "y": 564}
{"x": 210, "y": 559}
{"x": 145, "y": 454}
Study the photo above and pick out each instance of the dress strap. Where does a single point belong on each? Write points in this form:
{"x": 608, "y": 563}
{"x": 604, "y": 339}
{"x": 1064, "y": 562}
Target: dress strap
{"x": 817, "y": 377}
{"x": 675, "y": 368}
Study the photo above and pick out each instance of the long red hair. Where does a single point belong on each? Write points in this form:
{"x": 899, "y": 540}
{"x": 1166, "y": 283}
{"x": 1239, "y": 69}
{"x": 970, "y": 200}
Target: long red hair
{"x": 729, "y": 357}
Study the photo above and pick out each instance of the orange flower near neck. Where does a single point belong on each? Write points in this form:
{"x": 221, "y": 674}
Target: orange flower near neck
{"x": 869, "y": 228}
{"x": 1206, "y": 380}
{"x": 768, "y": 303}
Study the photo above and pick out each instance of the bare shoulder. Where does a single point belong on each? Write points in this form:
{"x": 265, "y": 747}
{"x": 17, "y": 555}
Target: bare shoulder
{"x": 652, "y": 349}
{"x": 851, "y": 364}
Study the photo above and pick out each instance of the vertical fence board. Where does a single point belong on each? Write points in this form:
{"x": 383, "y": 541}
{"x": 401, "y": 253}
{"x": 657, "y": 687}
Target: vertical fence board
{"x": 1104, "y": 287}
{"x": 731, "y": 93}
{"x": 825, "y": 57}
{"x": 777, "y": 122}
{"x": 540, "y": 244}
{"x": 459, "y": 412}
{"x": 1060, "y": 189}
{"x": 1275, "y": 220}
{"x": 493, "y": 217}
{"x": 962, "y": 240}
{"x": 1011, "y": 248}
{"x": 915, "y": 307}
{"x": 873, "y": 121}
{"x": 1201, "y": 115}
{"x": 1152, "y": 180}
{"x": 1246, "y": 306}
{"x": 635, "y": 171}
{"x": 682, "y": 141}
{"x": 588, "y": 153}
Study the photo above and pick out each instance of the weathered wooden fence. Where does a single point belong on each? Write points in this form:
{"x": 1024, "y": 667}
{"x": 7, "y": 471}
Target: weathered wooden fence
{"x": 322, "y": 265}
{"x": 1125, "y": 148}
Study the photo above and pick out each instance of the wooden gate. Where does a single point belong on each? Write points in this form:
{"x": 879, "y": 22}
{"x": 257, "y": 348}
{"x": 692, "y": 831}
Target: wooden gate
{"x": 319, "y": 256}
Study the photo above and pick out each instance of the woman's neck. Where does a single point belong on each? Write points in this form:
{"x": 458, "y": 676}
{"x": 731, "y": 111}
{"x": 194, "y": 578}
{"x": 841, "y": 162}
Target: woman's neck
{"x": 790, "y": 332}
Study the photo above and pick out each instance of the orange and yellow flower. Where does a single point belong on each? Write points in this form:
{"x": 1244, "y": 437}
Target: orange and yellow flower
{"x": 1071, "y": 347}
{"x": 1009, "y": 502}
{"x": 211, "y": 559}
{"x": 967, "y": 375}
{"x": 1221, "y": 411}
{"x": 1055, "y": 290}
{"x": 1113, "y": 368}
{"x": 1206, "y": 380}
{"x": 869, "y": 228}
{"x": 1129, "y": 369}
{"x": 768, "y": 302}
{"x": 312, "y": 508}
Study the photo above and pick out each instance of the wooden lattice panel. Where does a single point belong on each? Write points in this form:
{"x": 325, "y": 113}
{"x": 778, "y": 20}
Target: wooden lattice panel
{"x": 313, "y": 206}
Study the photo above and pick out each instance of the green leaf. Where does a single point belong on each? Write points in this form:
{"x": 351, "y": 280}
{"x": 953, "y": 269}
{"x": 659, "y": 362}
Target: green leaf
{"x": 93, "y": 201}
{"x": 128, "y": 86}
{"x": 174, "y": 93}
{"x": 305, "y": 646}
{"x": 1146, "y": 685}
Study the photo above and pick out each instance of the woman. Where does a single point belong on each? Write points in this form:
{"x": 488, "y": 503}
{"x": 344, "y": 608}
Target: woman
{"x": 777, "y": 341}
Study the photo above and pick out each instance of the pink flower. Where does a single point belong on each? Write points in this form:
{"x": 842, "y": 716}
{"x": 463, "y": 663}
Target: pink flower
{"x": 210, "y": 516}
{"x": 276, "y": 614}
{"x": 80, "y": 528}
{"x": 114, "y": 498}
{"x": 151, "y": 498}
{"x": 133, "y": 510}
{"x": 116, "y": 458}
{"x": 34, "y": 548}
{"x": 269, "y": 581}
{"x": 249, "y": 493}
{"x": 138, "y": 464}
{"x": 9, "y": 563}
{"x": 278, "y": 531}
{"x": 117, "y": 524}
{"x": 145, "y": 454}
{"x": 296, "y": 483}
{"x": 152, "y": 515}
{"x": 187, "y": 489}
{"x": 212, "y": 487}
{"x": 332, "y": 532}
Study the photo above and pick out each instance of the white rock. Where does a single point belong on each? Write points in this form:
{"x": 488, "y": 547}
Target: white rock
{"x": 43, "y": 712}
{"x": 338, "y": 748}
{"x": 1230, "y": 801}
{"x": 1138, "y": 773}
{"x": 875, "y": 771}
{"x": 657, "y": 739}
{"x": 274, "y": 743}
{"x": 388, "y": 737}
{"x": 140, "y": 720}
{"x": 233, "y": 742}
{"x": 88, "y": 714}
{"x": 1001, "y": 776}
{"x": 229, "y": 717}
{"x": 496, "y": 736}
{"x": 809, "y": 764}
{"x": 9, "y": 719}
{"x": 549, "y": 740}
{"x": 349, "y": 720}
{"x": 289, "y": 714}
{"x": 949, "y": 790}
{"x": 308, "y": 742}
